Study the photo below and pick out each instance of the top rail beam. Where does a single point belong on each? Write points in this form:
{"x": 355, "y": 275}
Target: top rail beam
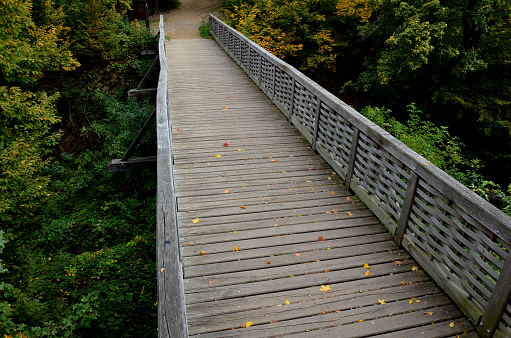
{"x": 171, "y": 305}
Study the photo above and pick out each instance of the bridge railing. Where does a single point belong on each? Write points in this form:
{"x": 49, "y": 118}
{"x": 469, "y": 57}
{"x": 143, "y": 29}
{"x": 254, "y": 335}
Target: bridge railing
{"x": 460, "y": 239}
{"x": 171, "y": 306}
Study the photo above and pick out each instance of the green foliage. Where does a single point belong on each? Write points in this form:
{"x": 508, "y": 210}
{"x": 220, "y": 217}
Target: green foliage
{"x": 86, "y": 267}
{"x": 433, "y": 142}
{"x": 27, "y": 49}
{"x": 80, "y": 258}
{"x": 99, "y": 30}
{"x": 440, "y": 148}
{"x": 204, "y": 30}
{"x": 26, "y": 139}
{"x": 298, "y": 29}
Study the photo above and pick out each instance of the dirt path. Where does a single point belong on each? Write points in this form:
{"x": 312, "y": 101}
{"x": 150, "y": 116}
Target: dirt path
{"x": 184, "y": 22}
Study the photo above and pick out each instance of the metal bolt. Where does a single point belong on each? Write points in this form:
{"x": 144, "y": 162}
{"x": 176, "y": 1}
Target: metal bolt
{"x": 497, "y": 232}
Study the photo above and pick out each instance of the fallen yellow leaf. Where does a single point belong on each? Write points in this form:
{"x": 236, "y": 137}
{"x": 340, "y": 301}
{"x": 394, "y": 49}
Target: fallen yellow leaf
{"x": 381, "y": 301}
{"x": 430, "y": 313}
{"x": 324, "y": 288}
{"x": 197, "y": 220}
{"x": 361, "y": 320}
{"x": 236, "y": 249}
{"x": 249, "y": 324}
{"x": 367, "y": 273}
{"x": 287, "y": 302}
{"x": 218, "y": 155}
{"x": 226, "y": 191}
{"x": 349, "y": 213}
{"x": 410, "y": 301}
{"x": 414, "y": 268}
{"x": 202, "y": 253}
{"x": 366, "y": 266}
{"x": 240, "y": 150}
{"x": 451, "y": 324}
{"x": 243, "y": 207}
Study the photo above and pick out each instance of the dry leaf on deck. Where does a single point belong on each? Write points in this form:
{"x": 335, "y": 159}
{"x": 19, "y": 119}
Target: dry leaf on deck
{"x": 381, "y": 301}
{"x": 226, "y": 144}
{"x": 366, "y": 266}
{"x": 197, "y": 220}
{"x": 414, "y": 268}
{"x": 236, "y": 249}
{"x": 324, "y": 288}
{"x": 398, "y": 263}
{"x": 243, "y": 207}
{"x": 218, "y": 155}
{"x": 367, "y": 273}
{"x": 320, "y": 239}
{"x": 202, "y": 253}
{"x": 287, "y": 302}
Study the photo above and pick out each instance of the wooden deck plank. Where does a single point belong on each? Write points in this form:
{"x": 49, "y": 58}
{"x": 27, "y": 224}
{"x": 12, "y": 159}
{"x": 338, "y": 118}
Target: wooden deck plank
{"x": 282, "y": 312}
{"x": 264, "y": 220}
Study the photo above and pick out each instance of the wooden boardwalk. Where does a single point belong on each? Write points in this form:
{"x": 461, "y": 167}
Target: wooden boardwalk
{"x": 271, "y": 242}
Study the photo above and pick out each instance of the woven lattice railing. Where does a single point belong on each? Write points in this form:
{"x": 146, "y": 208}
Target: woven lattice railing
{"x": 461, "y": 240}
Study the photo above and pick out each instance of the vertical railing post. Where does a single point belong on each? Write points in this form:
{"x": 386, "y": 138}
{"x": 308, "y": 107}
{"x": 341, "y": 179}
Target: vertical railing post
{"x": 273, "y": 85}
{"x": 316, "y": 123}
{"x": 353, "y": 154}
{"x": 497, "y": 303}
{"x": 260, "y": 73}
{"x": 292, "y": 100}
{"x": 406, "y": 209}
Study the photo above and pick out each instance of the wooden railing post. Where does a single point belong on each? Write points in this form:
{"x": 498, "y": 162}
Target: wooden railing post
{"x": 292, "y": 100}
{"x": 353, "y": 154}
{"x": 273, "y": 84}
{"x": 260, "y": 75}
{"x": 497, "y": 303}
{"x": 406, "y": 208}
{"x": 316, "y": 123}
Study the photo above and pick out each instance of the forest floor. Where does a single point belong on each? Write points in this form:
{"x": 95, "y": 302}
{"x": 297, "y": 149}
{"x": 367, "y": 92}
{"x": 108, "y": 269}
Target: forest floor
{"x": 184, "y": 22}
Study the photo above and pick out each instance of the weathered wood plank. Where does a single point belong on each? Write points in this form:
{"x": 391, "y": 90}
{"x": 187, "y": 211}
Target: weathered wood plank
{"x": 310, "y": 307}
{"x": 171, "y": 305}
{"x": 291, "y": 282}
{"x": 369, "y": 237}
{"x": 297, "y": 220}
{"x": 345, "y": 290}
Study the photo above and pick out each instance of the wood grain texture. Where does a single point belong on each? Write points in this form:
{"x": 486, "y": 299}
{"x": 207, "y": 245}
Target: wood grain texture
{"x": 263, "y": 219}
{"x": 450, "y": 226}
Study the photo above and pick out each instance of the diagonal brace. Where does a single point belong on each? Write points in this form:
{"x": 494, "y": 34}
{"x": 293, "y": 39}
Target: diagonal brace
{"x": 141, "y": 133}
{"x": 141, "y": 84}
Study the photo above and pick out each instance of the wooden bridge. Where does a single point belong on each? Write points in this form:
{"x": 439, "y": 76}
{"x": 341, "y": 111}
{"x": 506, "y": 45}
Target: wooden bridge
{"x": 264, "y": 184}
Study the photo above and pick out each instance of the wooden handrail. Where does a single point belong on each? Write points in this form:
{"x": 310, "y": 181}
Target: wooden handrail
{"x": 171, "y": 306}
{"x": 459, "y": 238}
